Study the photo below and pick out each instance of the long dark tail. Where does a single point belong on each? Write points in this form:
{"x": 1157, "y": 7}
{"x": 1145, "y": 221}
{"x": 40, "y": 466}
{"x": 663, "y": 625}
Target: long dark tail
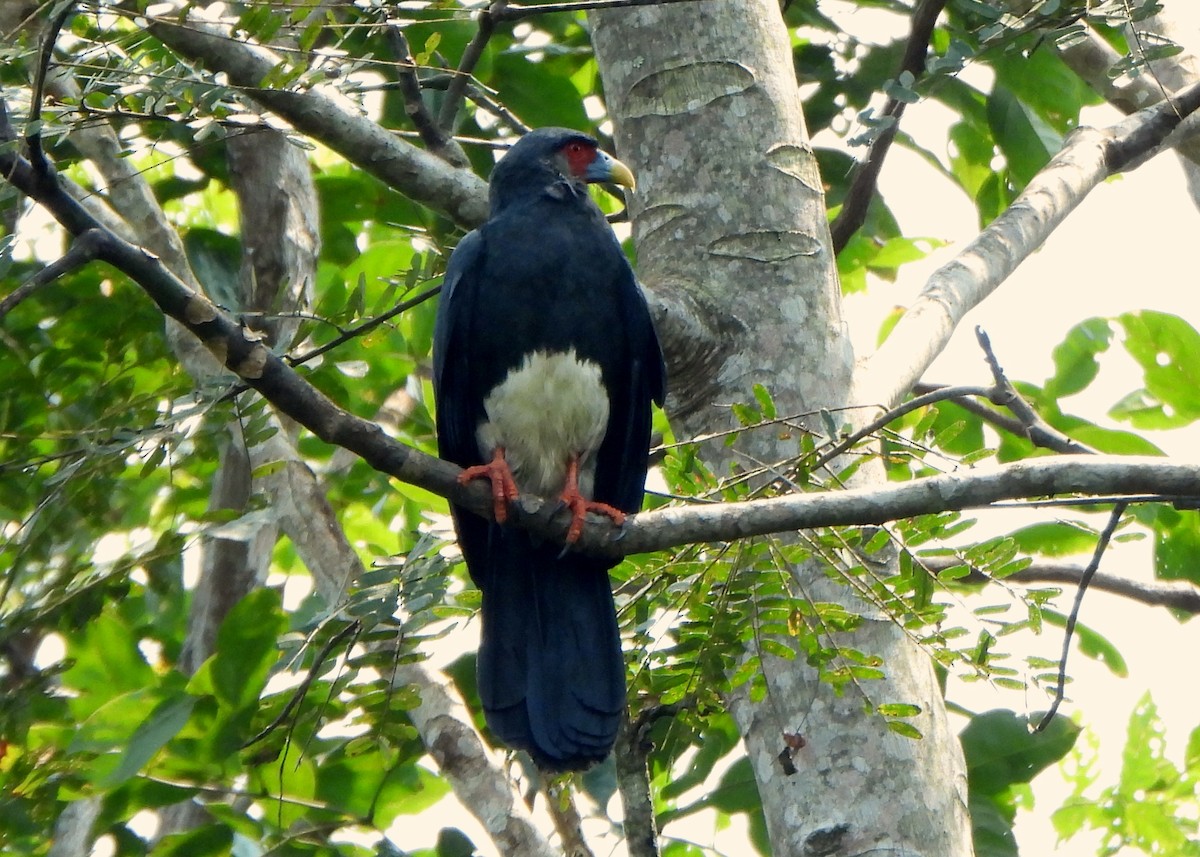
{"x": 551, "y": 673}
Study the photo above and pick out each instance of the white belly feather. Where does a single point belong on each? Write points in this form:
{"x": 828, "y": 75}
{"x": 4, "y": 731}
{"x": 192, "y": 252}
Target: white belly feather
{"x": 551, "y": 407}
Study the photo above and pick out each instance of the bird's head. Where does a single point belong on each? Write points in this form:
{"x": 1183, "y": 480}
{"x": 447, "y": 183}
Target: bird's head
{"x": 554, "y": 157}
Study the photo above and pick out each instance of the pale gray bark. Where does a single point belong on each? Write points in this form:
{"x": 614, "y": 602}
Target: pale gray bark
{"x": 1093, "y": 59}
{"x": 730, "y": 215}
{"x": 1089, "y": 157}
{"x": 474, "y": 773}
{"x": 969, "y": 488}
{"x": 72, "y": 835}
{"x": 280, "y": 248}
{"x": 423, "y": 177}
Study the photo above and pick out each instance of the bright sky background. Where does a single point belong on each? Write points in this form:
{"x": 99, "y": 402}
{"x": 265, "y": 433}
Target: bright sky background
{"x": 1127, "y": 247}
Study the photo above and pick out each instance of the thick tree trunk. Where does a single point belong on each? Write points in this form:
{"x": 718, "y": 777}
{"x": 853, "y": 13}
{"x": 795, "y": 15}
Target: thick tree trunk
{"x": 729, "y": 220}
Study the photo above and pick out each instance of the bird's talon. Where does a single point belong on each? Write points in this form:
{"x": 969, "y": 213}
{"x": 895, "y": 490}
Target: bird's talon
{"x": 497, "y": 472}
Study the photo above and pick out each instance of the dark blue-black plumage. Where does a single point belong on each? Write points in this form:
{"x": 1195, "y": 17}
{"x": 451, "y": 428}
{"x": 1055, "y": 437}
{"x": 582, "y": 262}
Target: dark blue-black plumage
{"x": 546, "y": 274}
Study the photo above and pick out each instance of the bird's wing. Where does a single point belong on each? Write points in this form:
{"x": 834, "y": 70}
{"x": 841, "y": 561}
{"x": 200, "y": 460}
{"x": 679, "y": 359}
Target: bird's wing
{"x": 624, "y": 453}
{"x": 458, "y": 414}
{"x": 459, "y": 408}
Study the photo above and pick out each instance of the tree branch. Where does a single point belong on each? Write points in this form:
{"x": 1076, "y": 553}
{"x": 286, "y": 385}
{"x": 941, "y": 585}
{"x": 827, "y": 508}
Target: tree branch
{"x": 460, "y": 754}
{"x": 448, "y": 115}
{"x": 1034, "y": 428}
{"x": 1106, "y": 535}
{"x": 1183, "y": 597}
{"x": 420, "y": 175}
{"x": 243, "y": 353}
{"x": 1089, "y": 157}
{"x": 866, "y": 174}
{"x": 1001, "y": 421}
{"x": 977, "y": 488}
{"x": 436, "y": 140}
{"x": 77, "y": 255}
{"x": 568, "y": 824}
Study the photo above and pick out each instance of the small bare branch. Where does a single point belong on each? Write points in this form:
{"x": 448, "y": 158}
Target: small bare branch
{"x": 448, "y": 115}
{"x": 33, "y": 139}
{"x": 1183, "y": 597}
{"x": 862, "y": 187}
{"x": 1004, "y": 422}
{"x": 930, "y": 398}
{"x": 436, "y": 140}
{"x": 1036, "y": 429}
{"x": 78, "y": 254}
{"x": 1101, "y": 546}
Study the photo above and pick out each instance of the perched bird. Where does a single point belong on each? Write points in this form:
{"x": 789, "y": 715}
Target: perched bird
{"x": 545, "y": 365}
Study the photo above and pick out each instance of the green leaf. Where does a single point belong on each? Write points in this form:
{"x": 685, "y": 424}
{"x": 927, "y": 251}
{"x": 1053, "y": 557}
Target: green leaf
{"x": 163, "y": 724}
{"x": 1044, "y": 83}
{"x": 247, "y": 648}
{"x": 1176, "y": 546}
{"x": 1075, "y": 364}
{"x": 1054, "y": 538}
{"x": 1091, "y": 643}
{"x": 107, "y": 662}
{"x": 737, "y": 790}
{"x": 1143, "y": 766}
{"x": 1001, "y": 751}
{"x": 765, "y": 403}
{"x": 210, "y": 840}
{"x": 1025, "y": 139}
{"x": 898, "y": 709}
{"x": 536, "y": 96}
{"x": 1168, "y": 350}
{"x": 906, "y": 730}
{"x": 991, "y": 827}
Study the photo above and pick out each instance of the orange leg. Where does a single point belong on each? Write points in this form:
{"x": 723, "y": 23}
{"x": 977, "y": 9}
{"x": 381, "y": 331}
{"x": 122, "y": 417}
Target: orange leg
{"x": 504, "y": 489}
{"x": 580, "y": 506}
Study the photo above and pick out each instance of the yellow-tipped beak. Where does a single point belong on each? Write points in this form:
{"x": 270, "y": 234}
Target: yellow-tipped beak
{"x": 621, "y": 174}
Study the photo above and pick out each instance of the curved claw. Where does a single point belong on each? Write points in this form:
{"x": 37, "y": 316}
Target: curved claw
{"x": 580, "y": 505}
{"x": 504, "y": 488}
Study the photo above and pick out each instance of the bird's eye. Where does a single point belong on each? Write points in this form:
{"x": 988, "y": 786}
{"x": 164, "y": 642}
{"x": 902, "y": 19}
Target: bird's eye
{"x": 579, "y": 156}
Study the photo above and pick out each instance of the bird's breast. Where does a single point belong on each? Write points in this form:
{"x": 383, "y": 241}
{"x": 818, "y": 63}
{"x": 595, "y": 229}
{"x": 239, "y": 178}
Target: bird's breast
{"x": 550, "y": 407}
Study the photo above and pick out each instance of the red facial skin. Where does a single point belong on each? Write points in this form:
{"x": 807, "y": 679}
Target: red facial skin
{"x": 579, "y": 156}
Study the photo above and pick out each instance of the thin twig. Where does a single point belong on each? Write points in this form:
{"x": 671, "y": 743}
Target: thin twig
{"x": 301, "y": 691}
{"x": 343, "y": 337}
{"x": 436, "y": 140}
{"x": 455, "y": 92}
{"x": 1006, "y": 395}
{"x": 37, "y": 154}
{"x": 1184, "y": 597}
{"x": 366, "y": 327}
{"x": 1088, "y": 573}
{"x": 82, "y": 251}
{"x": 932, "y": 397}
{"x": 1003, "y": 421}
{"x": 480, "y": 97}
{"x": 866, "y": 175}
